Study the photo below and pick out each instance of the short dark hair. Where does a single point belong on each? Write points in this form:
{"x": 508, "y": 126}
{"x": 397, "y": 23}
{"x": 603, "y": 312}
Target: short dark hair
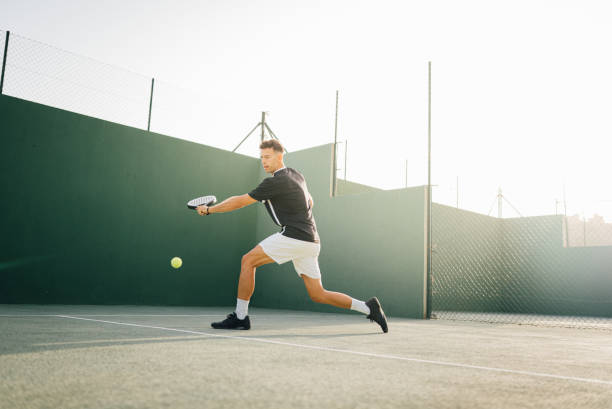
{"x": 272, "y": 143}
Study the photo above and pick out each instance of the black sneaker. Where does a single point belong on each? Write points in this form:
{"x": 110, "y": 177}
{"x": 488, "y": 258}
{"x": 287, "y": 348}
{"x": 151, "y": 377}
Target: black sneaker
{"x": 376, "y": 313}
{"x": 232, "y": 322}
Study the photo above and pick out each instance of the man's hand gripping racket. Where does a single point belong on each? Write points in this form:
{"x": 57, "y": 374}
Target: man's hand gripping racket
{"x": 200, "y": 204}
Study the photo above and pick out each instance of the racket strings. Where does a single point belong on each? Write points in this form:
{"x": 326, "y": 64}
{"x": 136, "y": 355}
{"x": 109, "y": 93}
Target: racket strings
{"x": 204, "y": 200}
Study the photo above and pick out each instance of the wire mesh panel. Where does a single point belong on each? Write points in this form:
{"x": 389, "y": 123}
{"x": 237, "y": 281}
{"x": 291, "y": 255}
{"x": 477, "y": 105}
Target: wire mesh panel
{"x": 462, "y": 251}
{"x": 517, "y": 270}
{"x": 44, "y": 74}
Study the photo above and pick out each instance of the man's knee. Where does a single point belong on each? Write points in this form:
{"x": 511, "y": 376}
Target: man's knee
{"x": 317, "y": 296}
{"x": 248, "y": 261}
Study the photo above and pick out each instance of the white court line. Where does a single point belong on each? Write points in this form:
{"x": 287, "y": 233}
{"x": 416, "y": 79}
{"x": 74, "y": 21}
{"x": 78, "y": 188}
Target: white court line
{"x": 368, "y": 354}
{"x": 147, "y": 315}
{"x": 117, "y": 315}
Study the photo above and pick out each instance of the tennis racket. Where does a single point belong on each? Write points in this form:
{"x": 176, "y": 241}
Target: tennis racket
{"x": 204, "y": 200}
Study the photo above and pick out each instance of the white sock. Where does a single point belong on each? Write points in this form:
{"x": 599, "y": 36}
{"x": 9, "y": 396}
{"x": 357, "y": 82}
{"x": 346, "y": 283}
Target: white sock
{"x": 360, "y": 306}
{"x": 242, "y": 308}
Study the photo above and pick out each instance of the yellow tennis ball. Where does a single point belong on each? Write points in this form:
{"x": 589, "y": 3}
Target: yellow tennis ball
{"x": 176, "y": 262}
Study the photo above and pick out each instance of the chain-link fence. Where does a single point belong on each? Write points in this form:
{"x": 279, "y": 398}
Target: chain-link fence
{"x": 44, "y": 74}
{"x": 526, "y": 270}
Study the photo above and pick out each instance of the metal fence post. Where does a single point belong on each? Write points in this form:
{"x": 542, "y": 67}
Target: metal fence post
{"x": 335, "y": 165}
{"x": 429, "y": 281}
{"x": 6, "y": 41}
{"x": 150, "y": 104}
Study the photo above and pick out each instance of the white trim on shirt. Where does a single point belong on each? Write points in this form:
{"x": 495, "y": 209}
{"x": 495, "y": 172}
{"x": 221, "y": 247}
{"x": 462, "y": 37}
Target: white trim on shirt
{"x": 273, "y": 212}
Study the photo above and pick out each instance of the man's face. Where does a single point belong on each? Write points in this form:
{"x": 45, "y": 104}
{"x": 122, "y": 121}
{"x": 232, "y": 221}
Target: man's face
{"x": 271, "y": 160}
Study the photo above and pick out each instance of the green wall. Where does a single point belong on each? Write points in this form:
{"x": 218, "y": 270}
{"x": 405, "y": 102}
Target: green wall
{"x": 92, "y": 212}
{"x": 345, "y": 187}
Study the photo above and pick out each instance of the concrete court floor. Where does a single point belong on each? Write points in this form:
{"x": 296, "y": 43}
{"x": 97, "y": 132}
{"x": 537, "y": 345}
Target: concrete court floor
{"x": 168, "y": 357}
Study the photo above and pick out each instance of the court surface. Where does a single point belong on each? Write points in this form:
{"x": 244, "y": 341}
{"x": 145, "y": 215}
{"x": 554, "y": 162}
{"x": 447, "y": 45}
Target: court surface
{"x": 169, "y": 357}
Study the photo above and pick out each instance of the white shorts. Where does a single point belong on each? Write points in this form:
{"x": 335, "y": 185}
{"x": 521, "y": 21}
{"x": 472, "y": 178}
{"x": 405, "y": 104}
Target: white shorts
{"x": 304, "y": 254}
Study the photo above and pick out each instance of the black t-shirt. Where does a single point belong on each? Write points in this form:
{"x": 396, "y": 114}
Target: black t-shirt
{"x": 286, "y": 198}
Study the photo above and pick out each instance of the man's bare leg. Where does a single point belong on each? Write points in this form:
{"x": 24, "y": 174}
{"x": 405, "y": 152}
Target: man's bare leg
{"x": 319, "y": 294}
{"x": 246, "y": 286}
{"x": 250, "y": 261}
{"x": 371, "y": 308}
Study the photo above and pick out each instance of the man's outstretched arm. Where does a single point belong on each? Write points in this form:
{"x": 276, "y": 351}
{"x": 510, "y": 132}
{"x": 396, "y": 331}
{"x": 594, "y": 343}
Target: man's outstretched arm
{"x": 229, "y": 204}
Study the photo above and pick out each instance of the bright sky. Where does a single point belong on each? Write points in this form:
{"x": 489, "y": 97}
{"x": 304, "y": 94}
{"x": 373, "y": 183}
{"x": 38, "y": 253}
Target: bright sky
{"x": 522, "y": 90}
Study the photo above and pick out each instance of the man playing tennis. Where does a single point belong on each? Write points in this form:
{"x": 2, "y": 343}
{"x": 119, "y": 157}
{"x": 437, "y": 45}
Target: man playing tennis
{"x": 288, "y": 202}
